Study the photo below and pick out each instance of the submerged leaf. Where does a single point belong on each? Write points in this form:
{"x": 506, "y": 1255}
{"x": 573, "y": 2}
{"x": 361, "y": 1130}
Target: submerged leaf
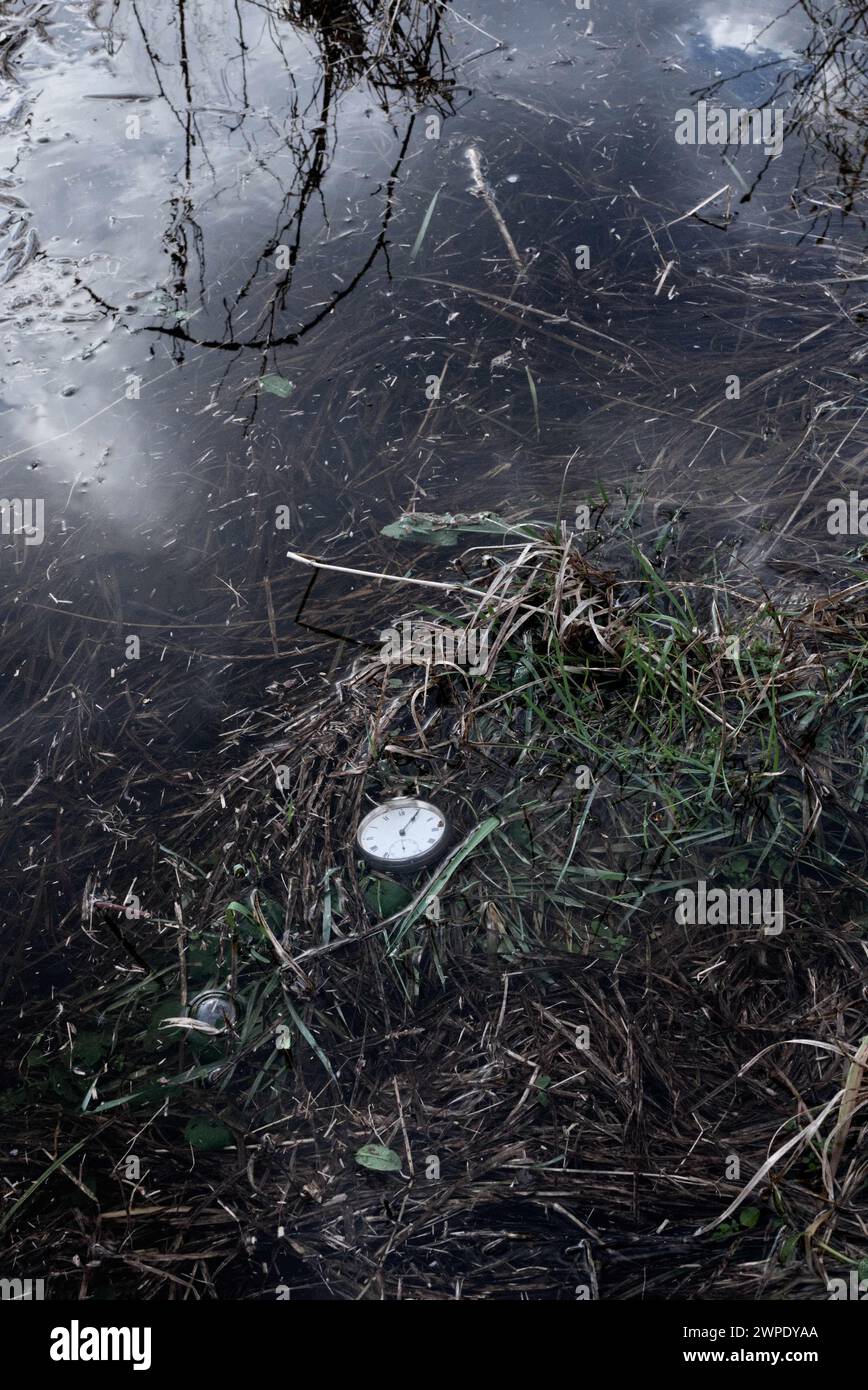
{"x": 421, "y": 528}
{"x": 442, "y": 530}
{"x": 276, "y": 385}
{"x": 385, "y": 897}
{"x": 207, "y": 1136}
{"x": 378, "y": 1158}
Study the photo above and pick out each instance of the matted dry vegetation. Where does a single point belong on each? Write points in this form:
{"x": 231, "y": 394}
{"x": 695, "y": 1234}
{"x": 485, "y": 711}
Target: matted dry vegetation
{"x": 440, "y": 1019}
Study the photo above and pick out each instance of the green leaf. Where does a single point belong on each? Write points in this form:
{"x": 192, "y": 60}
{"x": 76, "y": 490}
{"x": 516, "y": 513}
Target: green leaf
{"x": 240, "y": 907}
{"x": 542, "y": 1084}
{"x": 248, "y": 924}
{"x": 385, "y": 897}
{"x": 378, "y": 1158}
{"x": 206, "y": 1136}
{"x": 411, "y": 528}
{"x": 748, "y": 1217}
{"x": 789, "y": 1247}
{"x": 442, "y": 530}
{"x": 276, "y": 385}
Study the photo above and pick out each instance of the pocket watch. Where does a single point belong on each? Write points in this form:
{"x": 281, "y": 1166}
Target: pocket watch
{"x": 403, "y": 833}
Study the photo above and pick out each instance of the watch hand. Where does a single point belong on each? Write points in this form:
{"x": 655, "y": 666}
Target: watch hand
{"x": 403, "y": 832}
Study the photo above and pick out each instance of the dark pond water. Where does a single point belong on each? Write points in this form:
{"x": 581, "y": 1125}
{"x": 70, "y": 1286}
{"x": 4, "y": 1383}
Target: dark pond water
{"x": 224, "y": 301}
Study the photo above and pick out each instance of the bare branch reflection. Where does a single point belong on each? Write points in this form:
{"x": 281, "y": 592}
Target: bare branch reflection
{"x": 824, "y": 91}
{"x": 395, "y": 56}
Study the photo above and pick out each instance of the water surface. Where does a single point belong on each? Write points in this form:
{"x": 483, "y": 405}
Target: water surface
{"x": 218, "y": 309}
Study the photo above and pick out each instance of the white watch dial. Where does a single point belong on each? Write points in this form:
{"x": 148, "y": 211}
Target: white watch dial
{"x": 398, "y": 833}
